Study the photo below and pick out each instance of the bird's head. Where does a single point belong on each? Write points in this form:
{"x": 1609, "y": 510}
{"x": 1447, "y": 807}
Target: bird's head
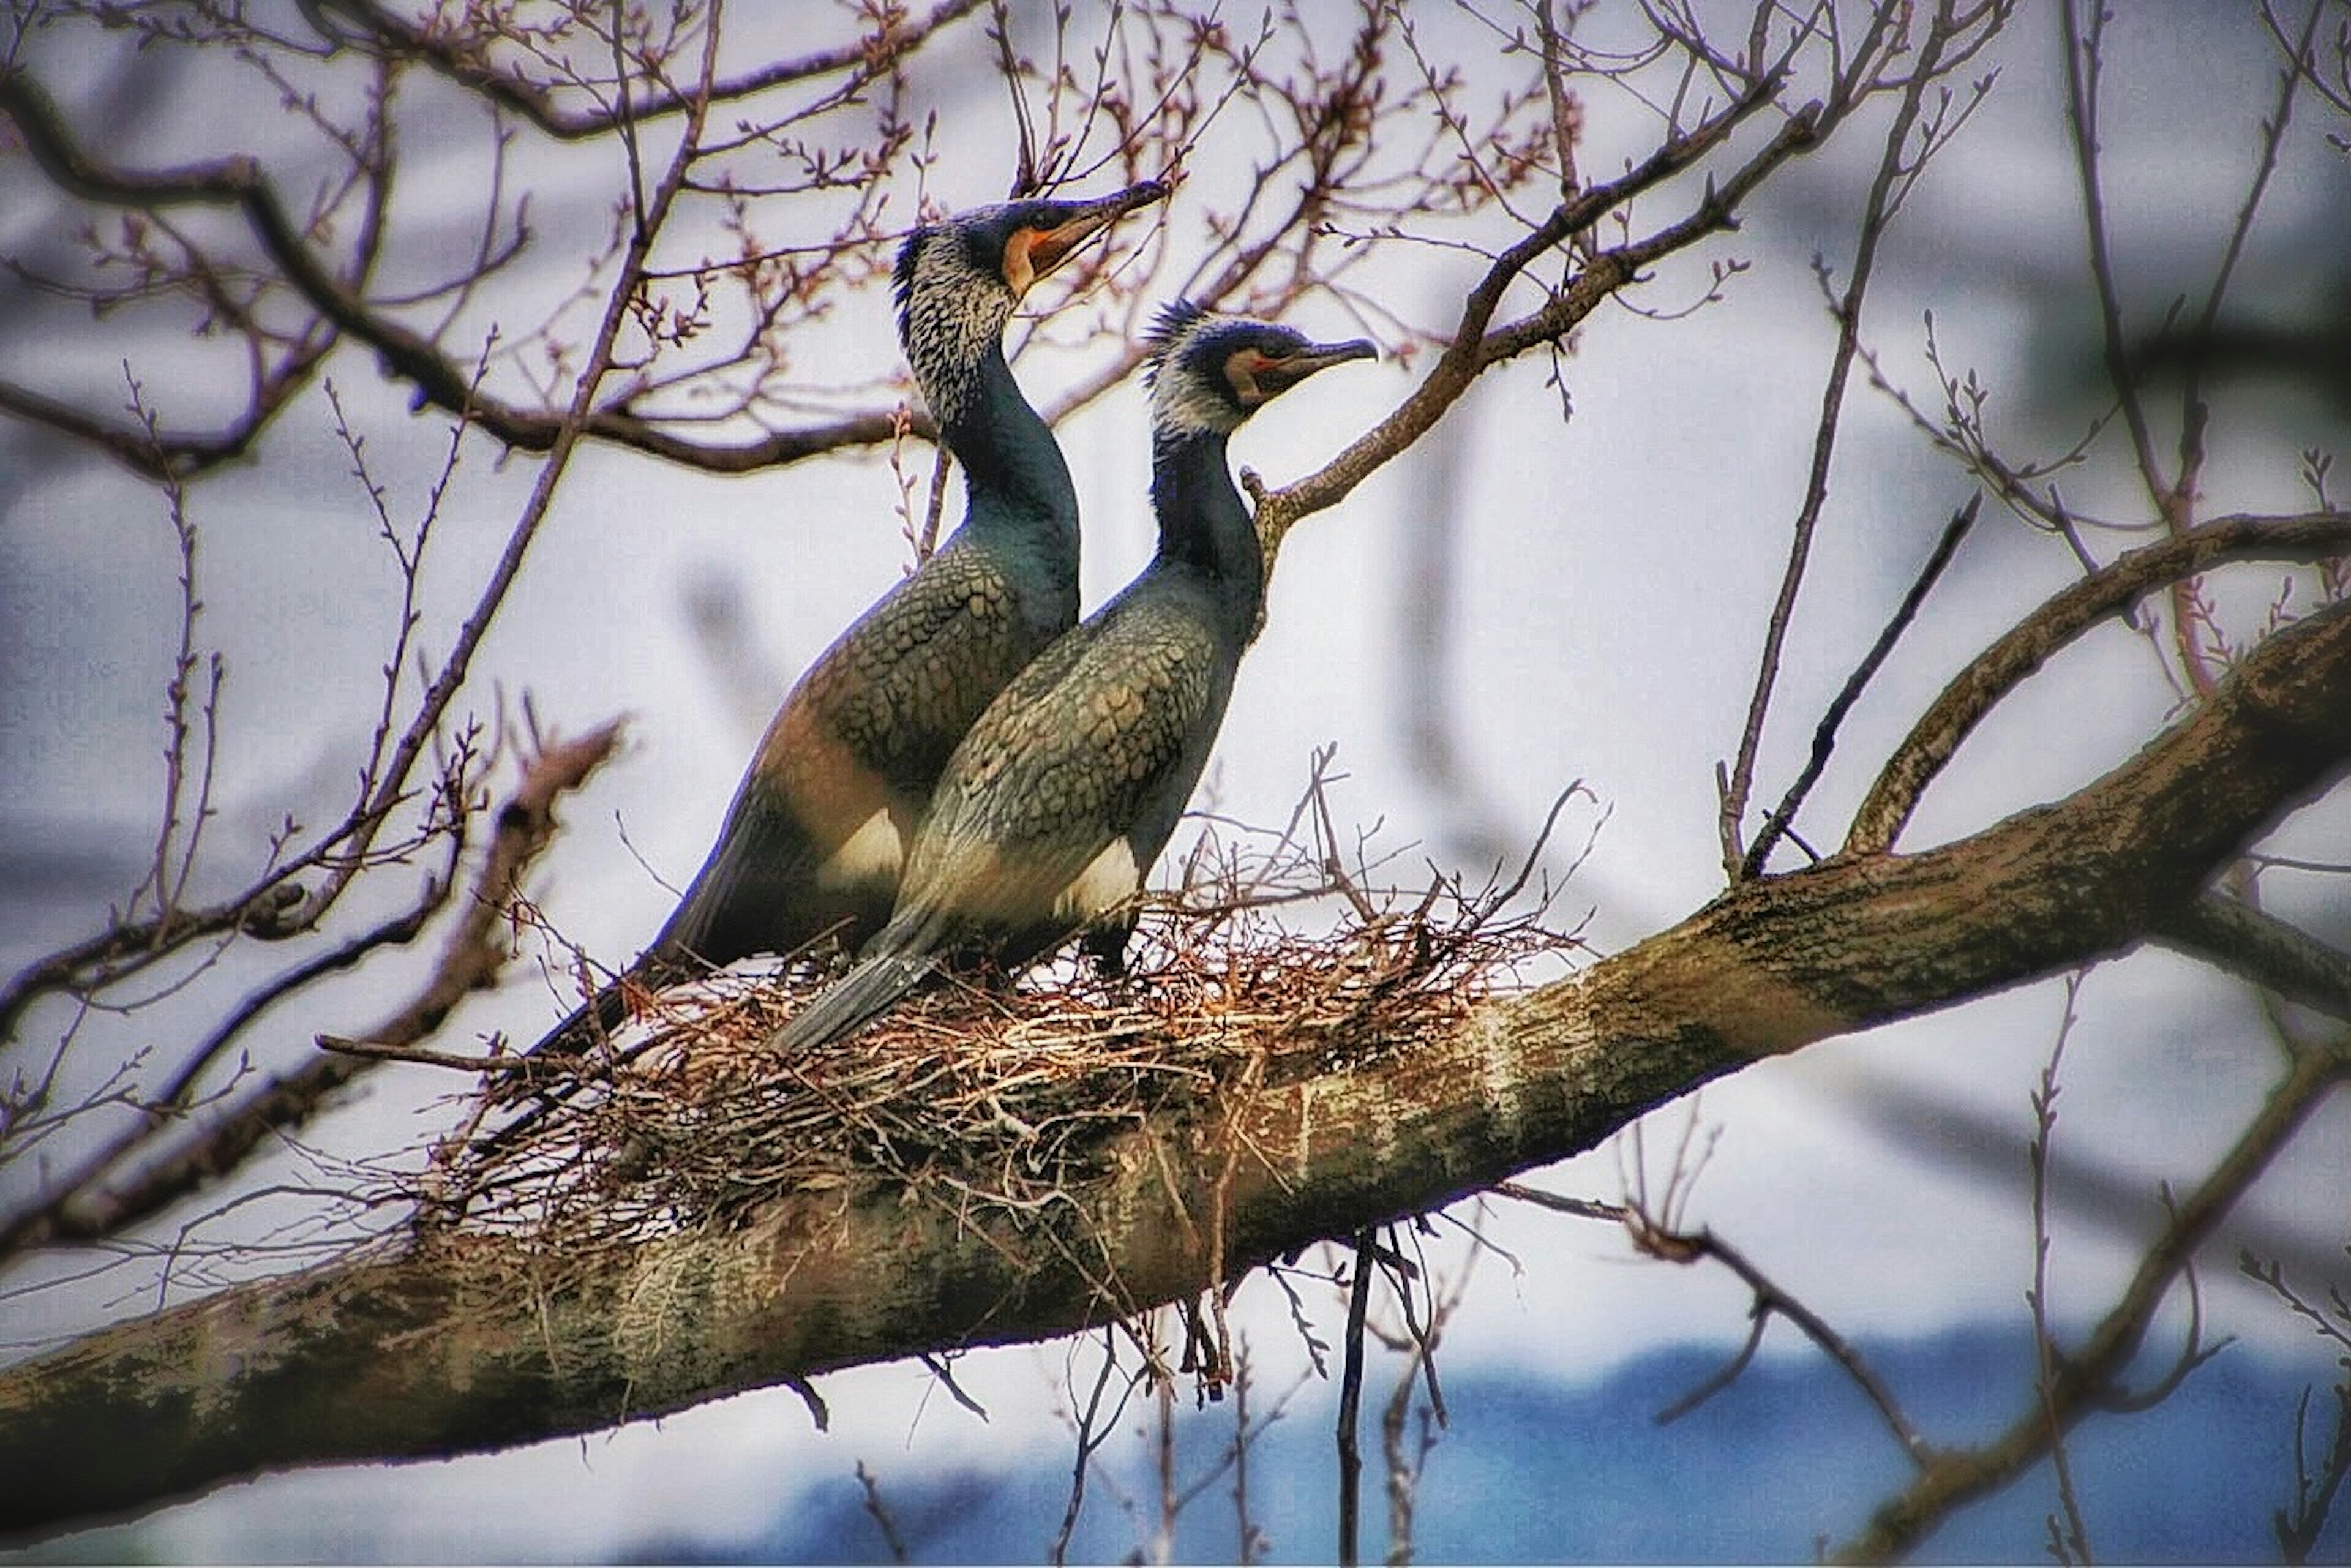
{"x": 1210, "y": 373}
{"x": 961, "y": 277}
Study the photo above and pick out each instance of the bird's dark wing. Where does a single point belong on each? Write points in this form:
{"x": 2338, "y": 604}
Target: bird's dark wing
{"x": 816, "y": 832}
{"x": 896, "y": 692}
{"x": 1029, "y": 826}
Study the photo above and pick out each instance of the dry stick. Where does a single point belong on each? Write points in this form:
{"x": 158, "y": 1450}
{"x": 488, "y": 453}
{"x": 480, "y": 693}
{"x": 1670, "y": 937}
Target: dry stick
{"x": 1245, "y": 1553}
{"x": 1771, "y": 1298}
{"x": 2083, "y": 64}
{"x": 164, "y": 887}
{"x": 2174, "y": 498}
{"x": 2306, "y": 61}
{"x": 2177, "y": 504}
{"x": 2193, "y": 412}
{"x": 944, "y": 1370}
{"x": 1680, "y": 1248}
{"x": 1163, "y": 1433}
{"x": 377, "y": 1050}
{"x": 1093, "y": 1432}
{"x": 1877, "y": 216}
{"x": 2070, "y": 1542}
{"x": 626, "y": 116}
{"x": 2314, "y": 1497}
{"x": 526, "y": 826}
{"x": 1422, "y": 1337}
{"x": 1581, "y": 1208}
{"x": 1404, "y": 1475}
{"x": 1974, "y": 691}
{"x": 2086, "y": 1377}
{"x": 186, "y": 452}
{"x": 470, "y": 67}
{"x": 1783, "y": 816}
{"x": 1351, "y": 1398}
{"x": 879, "y": 1512}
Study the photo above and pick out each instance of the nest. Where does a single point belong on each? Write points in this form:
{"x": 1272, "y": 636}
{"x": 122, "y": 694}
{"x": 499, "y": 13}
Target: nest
{"x": 989, "y": 1095}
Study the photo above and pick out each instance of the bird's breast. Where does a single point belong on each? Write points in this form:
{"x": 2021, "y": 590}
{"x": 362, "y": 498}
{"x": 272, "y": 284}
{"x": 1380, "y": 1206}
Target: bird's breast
{"x": 1110, "y": 880}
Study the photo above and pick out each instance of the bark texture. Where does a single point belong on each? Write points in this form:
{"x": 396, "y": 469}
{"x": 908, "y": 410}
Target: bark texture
{"x": 466, "y": 1344}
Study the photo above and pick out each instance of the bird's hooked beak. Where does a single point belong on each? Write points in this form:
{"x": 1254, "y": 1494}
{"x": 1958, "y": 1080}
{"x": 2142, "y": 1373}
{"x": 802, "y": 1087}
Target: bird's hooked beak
{"x": 1323, "y": 356}
{"x": 1287, "y": 372}
{"x": 1037, "y": 251}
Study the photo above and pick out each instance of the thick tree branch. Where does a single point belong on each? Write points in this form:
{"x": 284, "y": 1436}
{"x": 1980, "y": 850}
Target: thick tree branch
{"x": 2261, "y": 948}
{"x": 470, "y": 1342}
{"x": 1976, "y": 690}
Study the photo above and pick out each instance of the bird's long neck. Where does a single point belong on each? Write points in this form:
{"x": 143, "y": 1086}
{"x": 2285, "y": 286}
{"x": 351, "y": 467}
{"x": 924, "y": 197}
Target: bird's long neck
{"x": 1013, "y": 468}
{"x": 1203, "y": 523}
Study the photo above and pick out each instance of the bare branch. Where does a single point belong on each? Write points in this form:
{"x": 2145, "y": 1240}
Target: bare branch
{"x": 439, "y": 379}
{"x": 1350, "y": 1394}
{"x": 1976, "y": 690}
{"x": 824, "y": 1278}
{"x": 2084, "y": 1377}
{"x": 1877, "y": 215}
{"x": 1475, "y": 347}
{"x": 2260, "y": 947}
{"x": 1770, "y": 1299}
{"x": 470, "y": 961}
{"x": 466, "y": 60}
{"x": 1783, "y": 816}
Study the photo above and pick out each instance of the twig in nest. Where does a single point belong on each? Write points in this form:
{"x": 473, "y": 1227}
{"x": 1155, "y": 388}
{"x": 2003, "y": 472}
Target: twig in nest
{"x": 1000, "y": 1106}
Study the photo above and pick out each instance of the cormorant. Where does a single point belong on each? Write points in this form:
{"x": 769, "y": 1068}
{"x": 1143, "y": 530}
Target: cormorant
{"x": 1056, "y": 804}
{"x": 811, "y": 846}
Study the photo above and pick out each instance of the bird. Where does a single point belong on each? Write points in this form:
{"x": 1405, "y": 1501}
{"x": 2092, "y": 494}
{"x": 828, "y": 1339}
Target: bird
{"x": 811, "y": 847}
{"x": 1059, "y": 799}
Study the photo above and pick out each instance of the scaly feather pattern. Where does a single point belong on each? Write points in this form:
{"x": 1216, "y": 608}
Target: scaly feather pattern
{"x": 1056, "y": 803}
{"x": 813, "y": 845}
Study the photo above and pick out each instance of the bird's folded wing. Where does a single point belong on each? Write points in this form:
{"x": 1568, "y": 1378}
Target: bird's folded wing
{"x": 1061, "y": 767}
{"x": 897, "y": 690}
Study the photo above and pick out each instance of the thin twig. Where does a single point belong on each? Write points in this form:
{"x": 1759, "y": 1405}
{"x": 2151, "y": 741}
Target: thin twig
{"x": 1783, "y": 815}
{"x": 1976, "y": 690}
{"x": 1877, "y": 213}
{"x": 2088, "y": 1373}
{"x": 2070, "y": 1543}
{"x": 1351, "y": 1398}
{"x": 879, "y": 1512}
{"x": 1770, "y": 1299}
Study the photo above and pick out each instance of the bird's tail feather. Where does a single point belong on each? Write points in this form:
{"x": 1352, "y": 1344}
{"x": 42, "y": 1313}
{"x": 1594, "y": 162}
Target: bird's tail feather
{"x": 902, "y": 956}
